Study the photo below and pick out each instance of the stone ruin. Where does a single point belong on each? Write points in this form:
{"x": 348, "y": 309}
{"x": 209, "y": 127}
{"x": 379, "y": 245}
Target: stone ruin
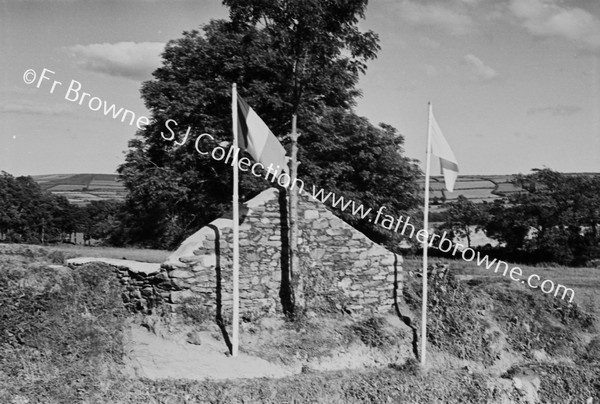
{"x": 341, "y": 269}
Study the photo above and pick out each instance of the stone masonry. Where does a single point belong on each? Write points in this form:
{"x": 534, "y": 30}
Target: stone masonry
{"x": 341, "y": 269}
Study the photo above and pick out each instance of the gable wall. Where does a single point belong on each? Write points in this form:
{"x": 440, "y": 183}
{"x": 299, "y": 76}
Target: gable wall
{"x": 341, "y": 268}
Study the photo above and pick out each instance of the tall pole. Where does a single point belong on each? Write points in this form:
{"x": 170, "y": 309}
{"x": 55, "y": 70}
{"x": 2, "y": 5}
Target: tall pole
{"x": 236, "y": 230}
{"x": 294, "y": 261}
{"x": 425, "y": 241}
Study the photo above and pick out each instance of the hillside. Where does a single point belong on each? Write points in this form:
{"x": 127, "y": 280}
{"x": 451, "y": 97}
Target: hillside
{"x": 81, "y": 189}
{"x": 477, "y": 188}
{"x": 84, "y": 188}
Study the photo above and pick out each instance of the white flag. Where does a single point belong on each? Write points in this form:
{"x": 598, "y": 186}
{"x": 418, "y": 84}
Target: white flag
{"x": 441, "y": 148}
{"x": 256, "y": 138}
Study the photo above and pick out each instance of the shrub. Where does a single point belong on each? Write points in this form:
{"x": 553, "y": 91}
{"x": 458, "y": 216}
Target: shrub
{"x": 193, "y": 311}
{"x": 453, "y": 324}
{"x": 532, "y": 321}
{"x": 61, "y": 337}
{"x": 372, "y": 332}
{"x": 411, "y": 366}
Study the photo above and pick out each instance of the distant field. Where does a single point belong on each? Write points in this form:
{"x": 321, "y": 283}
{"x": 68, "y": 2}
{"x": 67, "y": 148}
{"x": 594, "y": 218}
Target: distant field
{"x": 77, "y": 188}
{"x": 73, "y": 251}
{"x": 81, "y": 189}
{"x": 475, "y": 185}
{"x": 476, "y": 188}
{"x": 472, "y": 194}
{"x": 66, "y": 187}
{"x": 135, "y": 254}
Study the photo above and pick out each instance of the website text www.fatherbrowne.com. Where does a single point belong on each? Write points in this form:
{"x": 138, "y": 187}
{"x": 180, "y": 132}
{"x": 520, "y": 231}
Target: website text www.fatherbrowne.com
{"x": 74, "y": 93}
{"x": 388, "y": 222}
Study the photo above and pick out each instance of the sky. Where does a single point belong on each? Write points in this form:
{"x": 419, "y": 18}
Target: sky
{"x": 514, "y": 84}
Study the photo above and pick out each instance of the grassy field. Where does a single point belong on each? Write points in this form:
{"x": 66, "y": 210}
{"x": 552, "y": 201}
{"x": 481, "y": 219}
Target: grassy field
{"x": 80, "y": 189}
{"x": 135, "y": 254}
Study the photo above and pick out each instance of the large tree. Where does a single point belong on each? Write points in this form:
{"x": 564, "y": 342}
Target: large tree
{"x": 464, "y": 217}
{"x": 29, "y": 214}
{"x": 293, "y": 56}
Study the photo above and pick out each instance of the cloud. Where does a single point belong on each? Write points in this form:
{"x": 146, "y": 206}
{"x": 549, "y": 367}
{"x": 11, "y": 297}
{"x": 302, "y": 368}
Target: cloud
{"x": 34, "y": 108}
{"x": 441, "y": 15}
{"x": 123, "y": 59}
{"x": 479, "y": 70}
{"x": 551, "y": 18}
{"x": 557, "y": 110}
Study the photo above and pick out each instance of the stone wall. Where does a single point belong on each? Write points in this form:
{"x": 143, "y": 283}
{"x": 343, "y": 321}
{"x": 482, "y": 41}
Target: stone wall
{"x": 145, "y": 285}
{"x": 342, "y": 270}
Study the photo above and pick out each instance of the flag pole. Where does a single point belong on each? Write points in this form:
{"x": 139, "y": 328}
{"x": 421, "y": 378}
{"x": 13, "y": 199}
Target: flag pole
{"x": 293, "y": 192}
{"x": 236, "y": 229}
{"x": 425, "y": 241}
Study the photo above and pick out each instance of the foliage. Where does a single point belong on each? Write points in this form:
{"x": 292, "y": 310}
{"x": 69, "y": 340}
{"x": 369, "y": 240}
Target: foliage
{"x": 61, "y": 335}
{"x": 463, "y": 215}
{"x": 554, "y": 219}
{"x": 101, "y": 220}
{"x": 593, "y": 350}
{"x": 562, "y": 382}
{"x": 412, "y": 366}
{"x": 318, "y": 42}
{"x": 534, "y": 321}
{"x": 361, "y": 162}
{"x": 193, "y": 311}
{"x": 347, "y": 386}
{"x": 471, "y": 319}
{"x": 30, "y": 215}
{"x": 372, "y": 332}
{"x": 452, "y": 324}
{"x": 302, "y": 57}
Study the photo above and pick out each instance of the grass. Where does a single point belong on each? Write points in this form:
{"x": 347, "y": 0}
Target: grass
{"x": 72, "y": 251}
{"x": 351, "y": 386}
{"x": 61, "y": 342}
{"x": 584, "y": 281}
{"x": 372, "y": 332}
{"x": 61, "y": 338}
{"x": 463, "y": 313}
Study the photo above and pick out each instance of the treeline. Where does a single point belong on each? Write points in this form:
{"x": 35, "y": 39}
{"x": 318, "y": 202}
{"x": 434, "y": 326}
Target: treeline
{"x": 29, "y": 214}
{"x": 554, "y": 218}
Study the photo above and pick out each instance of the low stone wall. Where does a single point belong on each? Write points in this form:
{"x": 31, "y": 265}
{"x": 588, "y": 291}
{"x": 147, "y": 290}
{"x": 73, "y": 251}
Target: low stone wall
{"x": 145, "y": 285}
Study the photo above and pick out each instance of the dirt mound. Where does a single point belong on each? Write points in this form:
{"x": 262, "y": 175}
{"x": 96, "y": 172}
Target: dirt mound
{"x": 155, "y": 357}
{"x": 184, "y": 344}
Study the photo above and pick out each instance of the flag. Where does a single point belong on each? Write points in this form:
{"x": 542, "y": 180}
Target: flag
{"x": 257, "y": 139}
{"x": 441, "y": 148}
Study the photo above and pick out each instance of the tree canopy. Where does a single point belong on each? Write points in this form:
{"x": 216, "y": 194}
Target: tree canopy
{"x": 30, "y": 215}
{"x": 554, "y": 219}
{"x": 292, "y": 56}
{"x": 464, "y": 216}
